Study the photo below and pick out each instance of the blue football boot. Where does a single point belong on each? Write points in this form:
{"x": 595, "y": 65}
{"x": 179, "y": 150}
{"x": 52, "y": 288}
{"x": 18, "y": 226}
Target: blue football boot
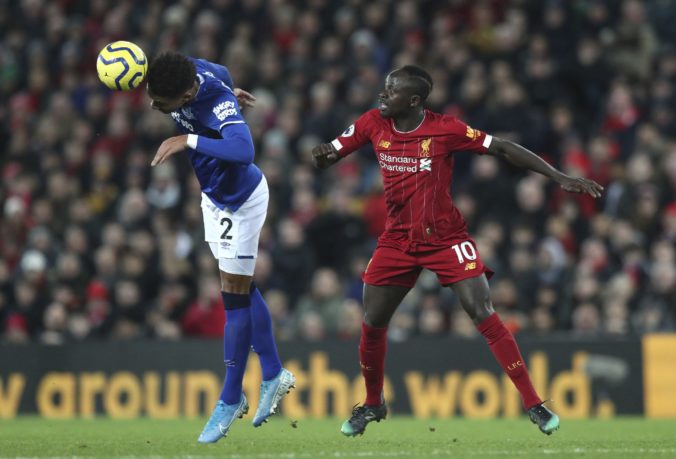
{"x": 221, "y": 419}
{"x": 272, "y": 392}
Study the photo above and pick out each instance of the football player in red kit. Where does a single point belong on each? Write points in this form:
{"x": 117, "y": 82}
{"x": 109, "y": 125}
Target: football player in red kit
{"x": 415, "y": 147}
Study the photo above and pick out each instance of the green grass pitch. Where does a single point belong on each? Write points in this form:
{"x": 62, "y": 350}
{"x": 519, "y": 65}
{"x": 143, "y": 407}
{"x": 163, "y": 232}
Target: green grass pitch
{"x": 400, "y": 437}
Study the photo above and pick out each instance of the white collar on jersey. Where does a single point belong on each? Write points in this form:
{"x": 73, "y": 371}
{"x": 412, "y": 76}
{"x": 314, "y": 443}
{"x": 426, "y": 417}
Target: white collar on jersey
{"x": 412, "y": 130}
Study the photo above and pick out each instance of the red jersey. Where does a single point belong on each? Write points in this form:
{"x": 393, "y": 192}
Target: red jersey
{"x": 417, "y": 170}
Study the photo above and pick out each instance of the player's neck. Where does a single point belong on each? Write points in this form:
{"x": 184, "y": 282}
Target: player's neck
{"x": 195, "y": 89}
{"x": 189, "y": 95}
{"x": 410, "y": 122}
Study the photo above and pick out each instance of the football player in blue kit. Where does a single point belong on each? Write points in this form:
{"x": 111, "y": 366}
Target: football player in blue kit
{"x": 202, "y": 100}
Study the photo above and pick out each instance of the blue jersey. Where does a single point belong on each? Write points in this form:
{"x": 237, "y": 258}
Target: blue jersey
{"x": 208, "y": 114}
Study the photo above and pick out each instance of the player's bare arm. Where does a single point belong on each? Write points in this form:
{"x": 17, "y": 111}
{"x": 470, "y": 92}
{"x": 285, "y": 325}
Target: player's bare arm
{"x": 324, "y": 155}
{"x": 524, "y": 158}
{"x": 170, "y": 147}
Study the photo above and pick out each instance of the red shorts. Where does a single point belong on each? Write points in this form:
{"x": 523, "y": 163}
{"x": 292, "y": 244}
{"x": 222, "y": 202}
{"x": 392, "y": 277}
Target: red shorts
{"x": 395, "y": 266}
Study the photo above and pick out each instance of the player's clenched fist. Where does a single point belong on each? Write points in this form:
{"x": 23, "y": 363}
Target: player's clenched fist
{"x": 324, "y": 155}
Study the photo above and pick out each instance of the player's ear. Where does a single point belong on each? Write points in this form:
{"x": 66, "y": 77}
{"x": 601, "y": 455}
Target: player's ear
{"x": 416, "y": 100}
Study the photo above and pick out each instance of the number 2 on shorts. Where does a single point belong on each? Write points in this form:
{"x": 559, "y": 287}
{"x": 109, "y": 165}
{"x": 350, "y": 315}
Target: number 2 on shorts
{"x": 228, "y": 225}
{"x": 464, "y": 250}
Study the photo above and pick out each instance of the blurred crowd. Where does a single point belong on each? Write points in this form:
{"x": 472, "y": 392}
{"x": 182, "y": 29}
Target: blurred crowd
{"x": 96, "y": 244}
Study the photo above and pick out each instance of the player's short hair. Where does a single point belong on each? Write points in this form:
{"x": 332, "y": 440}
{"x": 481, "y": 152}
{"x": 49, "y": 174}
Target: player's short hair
{"x": 171, "y": 74}
{"x": 419, "y": 80}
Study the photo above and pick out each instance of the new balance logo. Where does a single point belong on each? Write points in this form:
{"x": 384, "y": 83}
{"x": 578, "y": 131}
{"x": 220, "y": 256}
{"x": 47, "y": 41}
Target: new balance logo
{"x": 426, "y": 164}
{"x": 470, "y": 266}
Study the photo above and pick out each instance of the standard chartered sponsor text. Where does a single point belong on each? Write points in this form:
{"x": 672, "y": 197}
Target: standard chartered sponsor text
{"x": 399, "y": 161}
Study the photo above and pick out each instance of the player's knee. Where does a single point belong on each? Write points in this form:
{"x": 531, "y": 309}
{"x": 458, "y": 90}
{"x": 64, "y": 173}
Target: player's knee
{"x": 236, "y": 284}
{"x": 235, "y": 289}
{"x": 375, "y": 320}
{"x": 481, "y": 311}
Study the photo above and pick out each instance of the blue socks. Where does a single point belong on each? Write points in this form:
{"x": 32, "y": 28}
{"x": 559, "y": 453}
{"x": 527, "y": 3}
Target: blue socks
{"x": 263, "y": 340}
{"x": 236, "y": 344}
{"x": 248, "y": 323}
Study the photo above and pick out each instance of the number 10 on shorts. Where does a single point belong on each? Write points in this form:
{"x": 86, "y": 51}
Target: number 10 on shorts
{"x": 464, "y": 251}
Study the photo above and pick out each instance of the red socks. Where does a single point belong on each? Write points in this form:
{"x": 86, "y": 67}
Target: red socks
{"x": 506, "y": 352}
{"x": 372, "y": 349}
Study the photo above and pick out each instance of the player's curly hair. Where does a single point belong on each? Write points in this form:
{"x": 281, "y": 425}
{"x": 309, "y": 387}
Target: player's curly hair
{"x": 420, "y": 81}
{"x": 171, "y": 74}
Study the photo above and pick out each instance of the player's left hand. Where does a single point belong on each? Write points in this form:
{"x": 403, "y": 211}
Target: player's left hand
{"x": 244, "y": 98}
{"x": 169, "y": 147}
{"x": 580, "y": 185}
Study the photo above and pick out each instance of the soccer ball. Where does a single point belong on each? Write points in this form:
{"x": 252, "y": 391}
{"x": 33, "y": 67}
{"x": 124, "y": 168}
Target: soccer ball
{"x": 121, "y": 65}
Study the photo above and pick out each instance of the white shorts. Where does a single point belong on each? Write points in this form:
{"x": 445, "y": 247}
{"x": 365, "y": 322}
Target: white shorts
{"x": 233, "y": 236}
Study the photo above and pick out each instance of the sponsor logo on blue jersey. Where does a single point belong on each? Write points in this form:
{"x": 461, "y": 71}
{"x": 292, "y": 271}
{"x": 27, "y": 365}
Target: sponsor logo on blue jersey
{"x": 224, "y": 110}
{"x": 177, "y": 117}
{"x": 187, "y": 113}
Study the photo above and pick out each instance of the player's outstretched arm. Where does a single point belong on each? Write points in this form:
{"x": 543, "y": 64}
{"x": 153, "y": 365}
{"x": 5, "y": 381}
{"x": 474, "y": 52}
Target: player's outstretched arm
{"x": 524, "y": 158}
{"x": 235, "y": 146}
{"x": 324, "y": 155}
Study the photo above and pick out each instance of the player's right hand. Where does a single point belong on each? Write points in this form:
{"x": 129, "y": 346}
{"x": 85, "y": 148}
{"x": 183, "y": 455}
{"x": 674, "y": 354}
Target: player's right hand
{"x": 581, "y": 185}
{"x": 324, "y": 155}
{"x": 244, "y": 98}
{"x": 170, "y": 147}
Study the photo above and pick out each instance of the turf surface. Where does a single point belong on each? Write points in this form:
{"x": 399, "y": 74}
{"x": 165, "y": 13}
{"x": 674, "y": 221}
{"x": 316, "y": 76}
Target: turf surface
{"x": 281, "y": 438}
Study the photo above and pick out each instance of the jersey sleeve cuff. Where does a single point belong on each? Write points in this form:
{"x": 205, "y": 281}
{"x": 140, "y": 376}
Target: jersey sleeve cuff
{"x": 336, "y": 144}
{"x": 487, "y": 141}
{"x": 192, "y": 141}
